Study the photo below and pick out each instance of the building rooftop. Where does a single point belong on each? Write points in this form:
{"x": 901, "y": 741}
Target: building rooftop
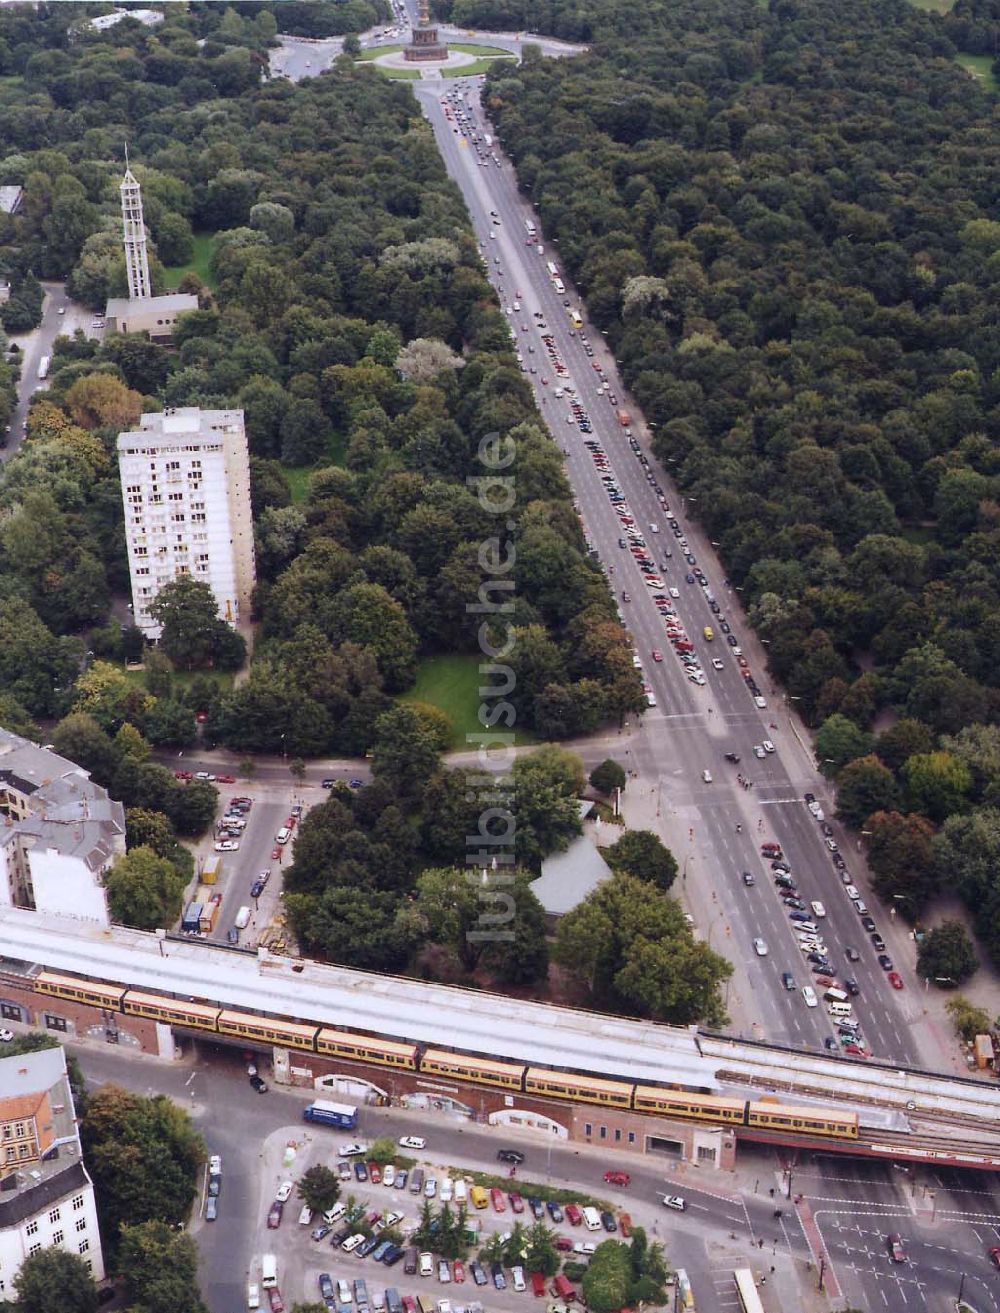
{"x": 568, "y": 877}
{"x": 119, "y": 306}
{"x": 67, "y": 810}
{"x": 10, "y": 198}
{"x": 410, "y": 1010}
{"x": 148, "y": 18}
{"x": 36, "y": 1084}
{"x": 155, "y": 426}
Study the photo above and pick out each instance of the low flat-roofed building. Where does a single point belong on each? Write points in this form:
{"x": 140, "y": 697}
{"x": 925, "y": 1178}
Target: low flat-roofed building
{"x": 147, "y": 17}
{"x": 10, "y": 199}
{"x": 46, "y": 1196}
{"x": 155, "y": 315}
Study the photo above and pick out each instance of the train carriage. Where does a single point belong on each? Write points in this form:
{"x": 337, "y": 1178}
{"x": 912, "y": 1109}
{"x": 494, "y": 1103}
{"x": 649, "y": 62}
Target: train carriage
{"x": 480, "y": 1071}
{"x": 587, "y": 1089}
{"x": 367, "y": 1048}
{"x": 267, "y": 1030}
{"x": 810, "y": 1121}
{"x": 80, "y": 991}
{"x": 675, "y": 1103}
{"x": 173, "y": 1011}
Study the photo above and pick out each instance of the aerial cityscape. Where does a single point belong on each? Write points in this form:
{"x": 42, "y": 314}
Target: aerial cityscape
{"x": 499, "y": 591}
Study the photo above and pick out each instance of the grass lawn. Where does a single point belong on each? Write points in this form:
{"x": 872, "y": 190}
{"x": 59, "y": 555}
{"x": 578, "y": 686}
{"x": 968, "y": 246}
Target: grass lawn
{"x": 934, "y": 6}
{"x": 484, "y": 52}
{"x": 203, "y": 246}
{"x": 298, "y": 480}
{"x": 452, "y": 684}
{"x": 981, "y": 68}
{"x": 474, "y": 69}
{"x": 182, "y": 678}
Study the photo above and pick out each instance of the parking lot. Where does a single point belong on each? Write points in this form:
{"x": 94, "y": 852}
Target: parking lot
{"x": 242, "y": 860}
{"x": 314, "y": 1255}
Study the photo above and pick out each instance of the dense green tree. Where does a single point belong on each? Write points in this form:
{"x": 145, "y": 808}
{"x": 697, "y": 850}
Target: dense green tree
{"x": 838, "y": 741}
{"x": 641, "y": 853}
{"x": 608, "y": 1277}
{"x": 936, "y": 783}
{"x": 53, "y": 1278}
{"x": 904, "y": 739}
{"x": 144, "y": 890}
{"x": 608, "y": 776}
{"x": 902, "y": 857}
{"x": 547, "y": 786}
{"x": 405, "y": 751}
{"x": 319, "y": 1187}
{"x": 946, "y": 955}
{"x": 865, "y": 786}
{"x": 192, "y": 635}
{"x": 143, "y": 1156}
{"x": 159, "y": 1265}
{"x": 629, "y": 943}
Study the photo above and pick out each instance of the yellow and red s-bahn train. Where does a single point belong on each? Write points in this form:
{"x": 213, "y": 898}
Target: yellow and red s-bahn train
{"x": 512, "y": 1077}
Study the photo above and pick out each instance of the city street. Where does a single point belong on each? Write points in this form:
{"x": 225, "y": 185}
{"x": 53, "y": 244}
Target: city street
{"x": 947, "y": 1221}
{"x": 716, "y": 827}
{"x": 60, "y": 317}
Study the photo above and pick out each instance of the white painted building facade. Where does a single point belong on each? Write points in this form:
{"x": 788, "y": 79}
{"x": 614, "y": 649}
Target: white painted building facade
{"x": 46, "y": 1196}
{"x": 185, "y": 478}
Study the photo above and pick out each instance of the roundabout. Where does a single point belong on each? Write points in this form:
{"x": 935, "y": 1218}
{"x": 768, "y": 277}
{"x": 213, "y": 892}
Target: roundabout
{"x": 460, "y": 60}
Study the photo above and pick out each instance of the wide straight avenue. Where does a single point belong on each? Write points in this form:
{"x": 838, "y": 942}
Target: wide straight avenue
{"x": 715, "y": 828}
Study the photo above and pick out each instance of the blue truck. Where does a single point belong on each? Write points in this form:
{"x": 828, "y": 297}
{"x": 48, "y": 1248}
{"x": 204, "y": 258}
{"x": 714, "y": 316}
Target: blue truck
{"x": 344, "y": 1115}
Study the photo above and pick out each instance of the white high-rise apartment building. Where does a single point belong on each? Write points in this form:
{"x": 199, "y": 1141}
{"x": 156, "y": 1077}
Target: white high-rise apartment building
{"x": 186, "y": 488}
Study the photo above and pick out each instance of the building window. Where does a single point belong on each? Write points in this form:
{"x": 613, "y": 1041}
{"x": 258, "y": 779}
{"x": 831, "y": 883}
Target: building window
{"x": 54, "y": 1023}
{"x": 53, "y": 1214}
{"x": 706, "y": 1154}
{"x": 588, "y": 1128}
{"x": 83, "y": 1246}
{"x": 602, "y": 1132}
{"x": 34, "y": 1249}
{"x": 618, "y": 1135}
{"x": 77, "y": 1202}
{"x": 31, "y": 1228}
{"x": 19, "y": 1129}
{"x": 631, "y": 1137}
{"x": 81, "y": 1224}
{"x": 58, "y": 1237}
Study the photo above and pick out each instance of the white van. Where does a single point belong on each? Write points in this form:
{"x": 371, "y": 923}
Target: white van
{"x": 331, "y": 1214}
{"x": 818, "y": 910}
{"x": 253, "y": 1295}
{"x": 446, "y": 1191}
{"x": 559, "y": 285}
{"x": 242, "y": 918}
{"x": 268, "y": 1271}
{"x": 461, "y": 1191}
{"x": 835, "y": 996}
{"x": 809, "y": 994}
{"x": 283, "y": 835}
{"x": 305, "y": 1216}
{"x": 517, "y": 1276}
{"x": 839, "y": 1009}
{"x": 592, "y": 1219}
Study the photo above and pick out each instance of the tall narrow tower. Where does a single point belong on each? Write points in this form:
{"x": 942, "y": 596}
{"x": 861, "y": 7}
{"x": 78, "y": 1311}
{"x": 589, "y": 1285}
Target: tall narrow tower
{"x": 136, "y": 262}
